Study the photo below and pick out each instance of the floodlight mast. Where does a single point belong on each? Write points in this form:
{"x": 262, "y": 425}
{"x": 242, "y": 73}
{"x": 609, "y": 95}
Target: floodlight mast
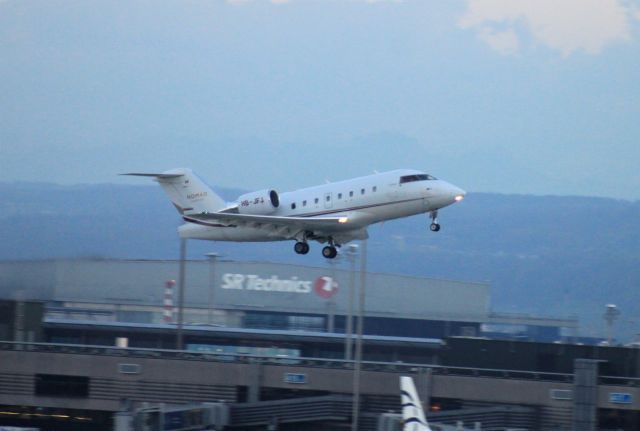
{"x": 181, "y": 286}
{"x": 610, "y": 315}
{"x": 352, "y": 252}
{"x": 355, "y": 416}
{"x": 212, "y": 281}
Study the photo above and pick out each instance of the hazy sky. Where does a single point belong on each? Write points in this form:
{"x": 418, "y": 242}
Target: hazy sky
{"x": 512, "y": 96}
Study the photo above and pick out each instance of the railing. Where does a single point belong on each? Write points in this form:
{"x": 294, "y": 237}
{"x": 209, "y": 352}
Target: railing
{"x": 390, "y": 367}
{"x": 335, "y": 407}
{"x": 619, "y": 381}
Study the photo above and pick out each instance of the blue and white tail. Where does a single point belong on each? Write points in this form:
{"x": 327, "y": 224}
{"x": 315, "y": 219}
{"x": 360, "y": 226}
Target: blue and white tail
{"x": 189, "y": 194}
{"x": 413, "y": 418}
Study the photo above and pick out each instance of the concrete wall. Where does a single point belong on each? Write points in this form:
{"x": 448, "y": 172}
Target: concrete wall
{"x": 184, "y": 380}
{"x": 28, "y": 280}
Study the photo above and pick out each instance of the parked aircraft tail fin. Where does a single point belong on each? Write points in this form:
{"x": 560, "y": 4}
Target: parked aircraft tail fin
{"x": 413, "y": 418}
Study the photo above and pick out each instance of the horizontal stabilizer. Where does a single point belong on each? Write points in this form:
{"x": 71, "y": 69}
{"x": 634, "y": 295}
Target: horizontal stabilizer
{"x": 161, "y": 176}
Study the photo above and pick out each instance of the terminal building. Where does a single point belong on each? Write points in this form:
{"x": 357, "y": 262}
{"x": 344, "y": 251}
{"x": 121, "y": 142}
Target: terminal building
{"x": 90, "y": 338}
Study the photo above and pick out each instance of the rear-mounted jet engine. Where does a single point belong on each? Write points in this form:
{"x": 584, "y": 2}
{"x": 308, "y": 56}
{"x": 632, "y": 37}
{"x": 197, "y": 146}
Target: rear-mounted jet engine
{"x": 263, "y": 202}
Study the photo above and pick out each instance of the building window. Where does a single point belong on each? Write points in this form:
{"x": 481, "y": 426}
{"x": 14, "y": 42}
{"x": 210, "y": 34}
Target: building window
{"x": 293, "y": 206}
{"x": 306, "y": 323}
{"x": 54, "y": 385}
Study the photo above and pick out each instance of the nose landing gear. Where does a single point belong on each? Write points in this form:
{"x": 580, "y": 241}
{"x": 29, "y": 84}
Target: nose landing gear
{"x": 435, "y": 226}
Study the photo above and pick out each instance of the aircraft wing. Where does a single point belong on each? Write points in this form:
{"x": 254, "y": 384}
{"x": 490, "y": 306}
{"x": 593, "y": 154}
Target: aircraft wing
{"x": 322, "y": 223}
{"x": 250, "y": 220}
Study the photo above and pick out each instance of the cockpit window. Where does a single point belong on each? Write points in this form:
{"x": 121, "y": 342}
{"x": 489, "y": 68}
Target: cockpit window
{"x": 418, "y": 177}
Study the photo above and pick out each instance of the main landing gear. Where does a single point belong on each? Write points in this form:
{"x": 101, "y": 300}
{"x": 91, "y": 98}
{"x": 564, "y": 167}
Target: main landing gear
{"x": 330, "y": 251}
{"x": 301, "y": 247}
{"x": 435, "y": 226}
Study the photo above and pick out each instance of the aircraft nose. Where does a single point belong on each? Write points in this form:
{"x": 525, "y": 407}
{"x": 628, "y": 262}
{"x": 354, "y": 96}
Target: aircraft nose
{"x": 458, "y": 193}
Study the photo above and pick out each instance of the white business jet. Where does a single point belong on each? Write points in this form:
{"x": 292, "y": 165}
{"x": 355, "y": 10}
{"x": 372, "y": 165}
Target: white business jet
{"x": 413, "y": 418}
{"x": 333, "y": 213}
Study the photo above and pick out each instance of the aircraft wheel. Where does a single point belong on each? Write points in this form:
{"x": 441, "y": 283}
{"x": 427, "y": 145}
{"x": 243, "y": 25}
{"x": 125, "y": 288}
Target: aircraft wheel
{"x": 329, "y": 252}
{"x": 301, "y": 247}
{"x": 435, "y": 227}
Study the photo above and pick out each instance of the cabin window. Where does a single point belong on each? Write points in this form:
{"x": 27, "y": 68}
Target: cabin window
{"x": 293, "y": 206}
{"x": 328, "y": 198}
{"x": 418, "y": 177}
{"x": 375, "y": 189}
{"x": 316, "y": 200}
{"x": 304, "y": 203}
{"x": 361, "y": 191}
{"x": 351, "y": 194}
{"x": 339, "y": 195}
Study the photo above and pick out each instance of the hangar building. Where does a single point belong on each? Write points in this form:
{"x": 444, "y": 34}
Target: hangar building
{"x": 266, "y": 296}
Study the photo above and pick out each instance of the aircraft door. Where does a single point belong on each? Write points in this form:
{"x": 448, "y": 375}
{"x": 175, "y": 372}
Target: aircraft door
{"x": 425, "y": 205}
{"x": 393, "y": 191}
{"x": 328, "y": 200}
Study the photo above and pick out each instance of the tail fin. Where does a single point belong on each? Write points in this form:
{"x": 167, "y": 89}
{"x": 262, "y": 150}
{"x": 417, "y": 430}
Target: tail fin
{"x": 413, "y": 418}
{"x": 189, "y": 194}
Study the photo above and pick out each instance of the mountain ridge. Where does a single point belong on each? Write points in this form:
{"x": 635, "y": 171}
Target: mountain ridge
{"x": 562, "y": 255}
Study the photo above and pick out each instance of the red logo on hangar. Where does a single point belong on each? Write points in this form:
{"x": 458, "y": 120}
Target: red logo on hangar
{"x": 325, "y": 286}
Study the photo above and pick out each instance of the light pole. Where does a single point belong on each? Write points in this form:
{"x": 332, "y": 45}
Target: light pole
{"x": 355, "y": 413}
{"x": 331, "y": 303}
{"x": 212, "y": 284}
{"x": 181, "y": 276}
{"x": 352, "y": 252}
{"x": 610, "y": 315}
